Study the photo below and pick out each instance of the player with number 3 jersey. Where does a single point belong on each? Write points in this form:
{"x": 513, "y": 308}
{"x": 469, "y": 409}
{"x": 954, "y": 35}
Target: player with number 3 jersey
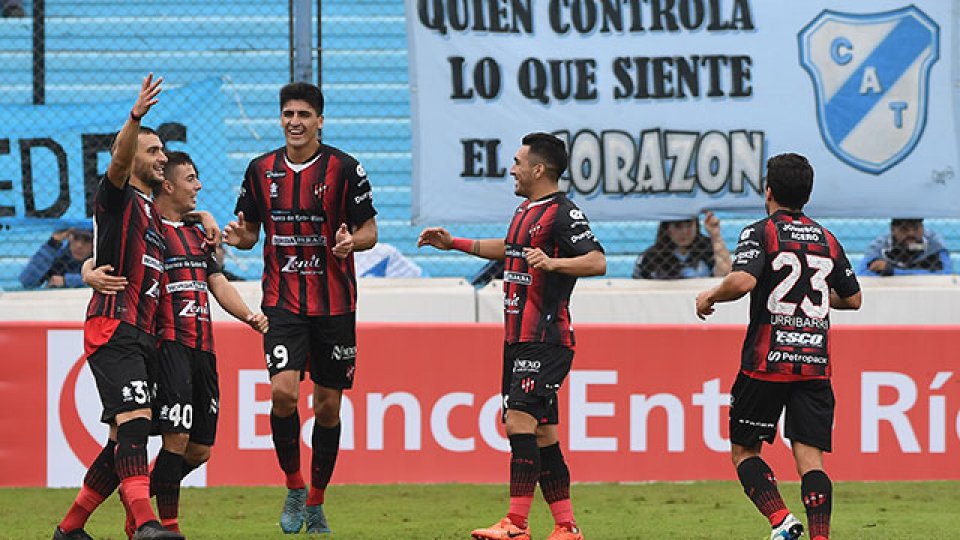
{"x": 795, "y": 271}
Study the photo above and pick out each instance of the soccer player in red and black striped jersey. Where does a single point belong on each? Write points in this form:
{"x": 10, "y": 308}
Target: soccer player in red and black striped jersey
{"x": 187, "y": 402}
{"x": 548, "y": 246}
{"x": 315, "y": 205}
{"x": 795, "y": 271}
{"x": 118, "y": 333}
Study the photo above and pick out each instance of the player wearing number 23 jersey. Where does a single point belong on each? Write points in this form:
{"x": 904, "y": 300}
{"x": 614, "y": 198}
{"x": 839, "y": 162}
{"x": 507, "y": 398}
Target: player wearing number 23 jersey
{"x": 795, "y": 271}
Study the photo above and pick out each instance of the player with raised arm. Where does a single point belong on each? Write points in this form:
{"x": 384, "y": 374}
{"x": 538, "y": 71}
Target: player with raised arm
{"x": 795, "y": 271}
{"x": 119, "y": 333}
{"x": 548, "y": 246}
{"x": 315, "y": 205}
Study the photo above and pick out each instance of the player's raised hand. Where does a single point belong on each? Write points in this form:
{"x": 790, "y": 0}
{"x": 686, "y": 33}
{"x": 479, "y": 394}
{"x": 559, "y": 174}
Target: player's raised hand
{"x": 149, "y": 90}
{"x": 704, "y": 305}
{"x": 344, "y": 241}
{"x": 536, "y": 258}
{"x": 259, "y": 322}
{"x": 437, "y": 237}
{"x": 103, "y": 282}
{"x": 235, "y": 231}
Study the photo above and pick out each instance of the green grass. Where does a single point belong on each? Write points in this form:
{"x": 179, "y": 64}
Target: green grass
{"x": 892, "y": 510}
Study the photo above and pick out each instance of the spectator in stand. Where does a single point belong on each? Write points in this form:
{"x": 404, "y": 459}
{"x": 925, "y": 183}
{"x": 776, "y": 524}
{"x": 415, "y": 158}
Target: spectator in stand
{"x": 13, "y": 9}
{"x": 384, "y": 260}
{"x": 909, "y": 249}
{"x": 57, "y": 264}
{"x": 681, "y": 251}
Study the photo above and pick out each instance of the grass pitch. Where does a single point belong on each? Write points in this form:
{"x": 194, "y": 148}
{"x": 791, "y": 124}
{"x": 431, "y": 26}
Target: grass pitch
{"x": 894, "y": 510}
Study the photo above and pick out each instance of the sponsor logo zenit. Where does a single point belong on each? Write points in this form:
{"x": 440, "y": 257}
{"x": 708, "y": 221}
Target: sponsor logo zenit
{"x": 802, "y": 339}
{"x": 295, "y": 241}
{"x": 519, "y": 278}
{"x": 514, "y": 251}
{"x": 275, "y": 174}
{"x": 793, "y": 358}
{"x": 360, "y": 198}
{"x": 192, "y": 309}
{"x": 181, "y": 286}
{"x": 180, "y": 262}
{"x": 313, "y": 265}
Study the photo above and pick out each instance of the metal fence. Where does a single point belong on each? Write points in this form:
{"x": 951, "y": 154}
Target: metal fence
{"x": 72, "y": 69}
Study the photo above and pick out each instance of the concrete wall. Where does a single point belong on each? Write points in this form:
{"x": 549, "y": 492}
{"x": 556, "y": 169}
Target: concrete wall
{"x": 919, "y": 300}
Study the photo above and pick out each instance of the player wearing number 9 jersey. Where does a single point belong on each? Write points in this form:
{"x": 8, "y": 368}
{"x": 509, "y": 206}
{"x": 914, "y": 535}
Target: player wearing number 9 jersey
{"x": 795, "y": 271}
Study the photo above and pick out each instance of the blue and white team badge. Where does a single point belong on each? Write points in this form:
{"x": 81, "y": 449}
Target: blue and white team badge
{"x": 870, "y": 73}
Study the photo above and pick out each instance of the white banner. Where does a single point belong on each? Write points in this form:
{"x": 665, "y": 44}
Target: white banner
{"x": 671, "y": 107}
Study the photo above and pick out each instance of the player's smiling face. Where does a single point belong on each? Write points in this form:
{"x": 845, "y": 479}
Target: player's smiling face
{"x": 523, "y": 172}
{"x": 300, "y": 124}
{"x": 150, "y": 159}
{"x": 185, "y": 187}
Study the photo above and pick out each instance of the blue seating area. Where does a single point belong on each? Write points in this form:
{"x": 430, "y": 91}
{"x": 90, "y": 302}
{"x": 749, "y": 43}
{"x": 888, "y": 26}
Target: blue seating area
{"x": 97, "y": 50}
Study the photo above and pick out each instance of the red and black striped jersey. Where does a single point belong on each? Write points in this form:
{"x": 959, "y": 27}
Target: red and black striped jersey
{"x": 301, "y": 206}
{"x": 127, "y": 236}
{"x": 536, "y": 303}
{"x": 184, "y": 313}
{"x": 797, "y": 262}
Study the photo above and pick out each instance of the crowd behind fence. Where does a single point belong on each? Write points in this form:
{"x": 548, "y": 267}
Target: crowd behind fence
{"x": 70, "y": 73}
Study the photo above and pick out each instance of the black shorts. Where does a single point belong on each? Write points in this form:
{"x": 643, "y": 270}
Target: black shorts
{"x": 532, "y": 375}
{"x": 187, "y": 398}
{"x": 119, "y": 368}
{"x": 327, "y": 346}
{"x": 755, "y": 408}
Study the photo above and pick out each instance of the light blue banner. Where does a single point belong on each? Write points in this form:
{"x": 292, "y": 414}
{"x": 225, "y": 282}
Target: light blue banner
{"x": 52, "y": 155}
{"x": 670, "y": 108}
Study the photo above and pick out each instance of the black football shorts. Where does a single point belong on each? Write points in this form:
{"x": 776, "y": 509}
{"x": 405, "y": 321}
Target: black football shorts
{"x": 532, "y": 375}
{"x": 756, "y": 406}
{"x": 187, "y": 396}
{"x": 119, "y": 368}
{"x": 327, "y": 346}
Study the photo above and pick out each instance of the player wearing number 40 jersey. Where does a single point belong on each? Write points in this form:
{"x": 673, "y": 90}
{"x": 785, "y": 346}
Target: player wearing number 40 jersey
{"x": 548, "y": 245}
{"x": 316, "y": 208}
{"x": 795, "y": 271}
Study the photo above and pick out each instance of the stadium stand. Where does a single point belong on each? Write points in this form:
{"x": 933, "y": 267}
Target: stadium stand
{"x": 98, "y": 49}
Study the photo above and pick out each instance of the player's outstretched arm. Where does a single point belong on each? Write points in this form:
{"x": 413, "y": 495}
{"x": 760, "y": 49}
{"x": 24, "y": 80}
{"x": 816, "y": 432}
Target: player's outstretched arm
{"x": 733, "y": 287}
{"x": 593, "y": 263}
{"x": 440, "y": 238}
{"x": 228, "y": 298}
{"x": 125, "y": 147}
{"x": 240, "y": 233}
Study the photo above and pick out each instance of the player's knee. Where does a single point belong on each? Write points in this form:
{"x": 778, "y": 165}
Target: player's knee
{"x": 197, "y": 454}
{"x": 176, "y": 442}
{"x": 327, "y": 413}
{"x": 284, "y": 401}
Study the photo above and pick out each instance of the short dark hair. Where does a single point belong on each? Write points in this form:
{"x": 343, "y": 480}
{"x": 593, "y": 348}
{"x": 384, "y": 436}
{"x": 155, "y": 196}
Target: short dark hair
{"x": 790, "y": 178}
{"x": 304, "y": 92}
{"x": 549, "y": 150}
{"x": 174, "y": 158}
{"x": 140, "y": 131}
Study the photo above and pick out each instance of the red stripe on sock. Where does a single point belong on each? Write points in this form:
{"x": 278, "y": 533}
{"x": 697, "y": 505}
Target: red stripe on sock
{"x": 315, "y": 496}
{"x": 562, "y": 511}
{"x": 86, "y": 502}
{"x": 295, "y": 480}
{"x": 519, "y": 510}
{"x": 136, "y": 490}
